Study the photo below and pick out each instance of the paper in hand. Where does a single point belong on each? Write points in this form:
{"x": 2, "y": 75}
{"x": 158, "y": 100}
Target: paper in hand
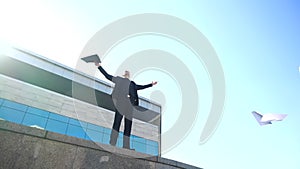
{"x": 92, "y": 58}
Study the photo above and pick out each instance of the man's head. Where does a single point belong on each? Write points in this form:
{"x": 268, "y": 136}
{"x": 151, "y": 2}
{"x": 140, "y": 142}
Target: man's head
{"x": 126, "y": 74}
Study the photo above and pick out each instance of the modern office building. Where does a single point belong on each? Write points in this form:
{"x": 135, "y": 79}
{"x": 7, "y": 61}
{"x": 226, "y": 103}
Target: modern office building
{"x": 53, "y": 116}
{"x": 38, "y": 92}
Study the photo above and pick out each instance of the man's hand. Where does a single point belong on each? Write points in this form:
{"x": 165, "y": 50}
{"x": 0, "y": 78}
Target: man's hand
{"x": 154, "y": 83}
{"x": 97, "y": 64}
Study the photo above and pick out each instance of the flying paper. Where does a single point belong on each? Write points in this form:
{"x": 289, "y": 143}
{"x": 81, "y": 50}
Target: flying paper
{"x": 267, "y": 118}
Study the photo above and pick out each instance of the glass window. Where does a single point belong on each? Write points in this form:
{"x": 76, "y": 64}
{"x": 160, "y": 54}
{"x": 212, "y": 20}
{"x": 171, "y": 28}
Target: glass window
{"x": 39, "y": 112}
{"x": 95, "y": 127}
{"x": 1, "y": 101}
{"x": 15, "y": 112}
{"x": 139, "y": 139}
{"x": 140, "y": 147}
{"x": 152, "y": 143}
{"x": 14, "y": 105}
{"x": 31, "y": 119}
{"x": 106, "y": 130}
{"x": 58, "y": 117}
{"x": 56, "y": 126}
{"x": 94, "y": 135}
{"x": 76, "y": 131}
{"x": 11, "y": 115}
{"x": 120, "y": 140}
{"x": 152, "y": 150}
{"x": 105, "y": 138}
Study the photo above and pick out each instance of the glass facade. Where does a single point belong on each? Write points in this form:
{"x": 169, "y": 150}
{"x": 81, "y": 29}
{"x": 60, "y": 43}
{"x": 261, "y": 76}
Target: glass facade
{"x": 30, "y": 116}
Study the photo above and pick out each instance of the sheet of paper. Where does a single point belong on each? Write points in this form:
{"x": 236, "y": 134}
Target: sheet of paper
{"x": 258, "y": 118}
{"x": 92, "y": 58}
{"x": 272, "y": 117}
{"x": 267, "y": 118}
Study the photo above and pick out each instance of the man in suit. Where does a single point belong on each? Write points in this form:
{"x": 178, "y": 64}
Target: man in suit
{"x": 124, "y": 97}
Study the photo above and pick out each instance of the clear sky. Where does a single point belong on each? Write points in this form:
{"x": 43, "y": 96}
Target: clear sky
{"x": 257, "y": 44}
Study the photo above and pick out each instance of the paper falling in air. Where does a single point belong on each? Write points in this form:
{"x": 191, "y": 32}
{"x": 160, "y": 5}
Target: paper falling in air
{"x": 267, "y": 118}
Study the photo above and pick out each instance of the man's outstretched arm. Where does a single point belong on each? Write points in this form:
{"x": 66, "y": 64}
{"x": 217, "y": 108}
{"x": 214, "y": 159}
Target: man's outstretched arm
{"x": 107, "y": 76}
{"x": 140, "y": 87}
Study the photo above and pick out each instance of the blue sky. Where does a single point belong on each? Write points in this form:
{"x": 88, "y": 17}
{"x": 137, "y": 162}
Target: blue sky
{"x": 257, "y": 43}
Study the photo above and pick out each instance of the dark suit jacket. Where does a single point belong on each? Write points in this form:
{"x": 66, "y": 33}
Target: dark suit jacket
{"x": 133, "y": 87}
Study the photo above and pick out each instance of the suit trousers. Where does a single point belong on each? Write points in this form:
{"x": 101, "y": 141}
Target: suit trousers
{"x": 116, "y": 127}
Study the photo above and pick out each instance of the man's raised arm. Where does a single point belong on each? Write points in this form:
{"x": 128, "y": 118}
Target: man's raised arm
{"x": 107, "y": 76}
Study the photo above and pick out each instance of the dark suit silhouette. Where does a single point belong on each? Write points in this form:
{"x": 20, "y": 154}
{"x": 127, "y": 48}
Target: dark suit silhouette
{"x": 125, "y": 97}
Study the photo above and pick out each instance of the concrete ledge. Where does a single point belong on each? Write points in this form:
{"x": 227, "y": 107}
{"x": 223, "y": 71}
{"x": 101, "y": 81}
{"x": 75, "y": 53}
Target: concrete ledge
{"x": 28, "y": 147}
{"x": 13, "y": 127}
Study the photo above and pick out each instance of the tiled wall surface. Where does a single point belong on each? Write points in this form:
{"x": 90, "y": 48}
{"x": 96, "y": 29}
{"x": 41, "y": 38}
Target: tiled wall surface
{"x": 33, "y": 106}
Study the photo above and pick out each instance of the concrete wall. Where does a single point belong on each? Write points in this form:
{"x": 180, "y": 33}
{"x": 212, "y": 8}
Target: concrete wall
{"x": 27, "y": 147}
